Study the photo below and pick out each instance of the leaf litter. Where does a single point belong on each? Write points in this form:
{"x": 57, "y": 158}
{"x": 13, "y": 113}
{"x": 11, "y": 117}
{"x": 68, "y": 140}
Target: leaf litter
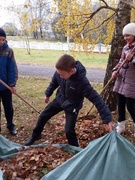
{"x": 34, "y": 163}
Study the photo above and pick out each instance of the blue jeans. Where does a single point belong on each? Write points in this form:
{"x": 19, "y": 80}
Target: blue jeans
{"x": 50, "y": 110}
{"x": 124, "y": 102}
{"x": 6, "y": 97}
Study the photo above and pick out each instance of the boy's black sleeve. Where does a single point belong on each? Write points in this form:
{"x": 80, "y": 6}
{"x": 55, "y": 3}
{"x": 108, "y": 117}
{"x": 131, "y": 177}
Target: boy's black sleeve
{"x": 52, "y": 86}
{"x": 97, "y": 100}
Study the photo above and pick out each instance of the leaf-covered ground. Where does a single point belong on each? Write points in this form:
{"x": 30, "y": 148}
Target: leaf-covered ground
{"x": 33, "y": 163}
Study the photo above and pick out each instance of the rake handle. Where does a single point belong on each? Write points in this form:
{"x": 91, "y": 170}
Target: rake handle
{"x": 19, "y": 96}
{"x": 109, "y": 82}
{"x": 112, "y": 78}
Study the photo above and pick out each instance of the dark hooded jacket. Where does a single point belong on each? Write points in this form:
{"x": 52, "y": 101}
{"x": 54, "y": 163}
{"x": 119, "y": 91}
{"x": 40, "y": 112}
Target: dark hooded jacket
{"x": 8, "y": 67}
{"x": 71, "y": 92}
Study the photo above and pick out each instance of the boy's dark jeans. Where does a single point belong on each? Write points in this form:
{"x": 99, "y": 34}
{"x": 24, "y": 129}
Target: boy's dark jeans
{"x": 52, "y": 109}
{"x": 6, "y": 97}
{"x": 124, "y": 102}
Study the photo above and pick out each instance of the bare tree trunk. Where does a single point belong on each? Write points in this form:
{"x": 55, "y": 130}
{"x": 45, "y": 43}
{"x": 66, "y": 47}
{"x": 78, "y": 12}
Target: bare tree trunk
{"x": 122, "y": 18}
{"x": 27, "y": 45}
{"x": 41, "y": 33}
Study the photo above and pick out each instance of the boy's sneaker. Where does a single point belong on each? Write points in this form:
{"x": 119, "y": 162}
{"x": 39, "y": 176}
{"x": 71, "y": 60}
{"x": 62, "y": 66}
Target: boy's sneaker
{"x": 13, "y": 131}
{"x": 31, "y": 140}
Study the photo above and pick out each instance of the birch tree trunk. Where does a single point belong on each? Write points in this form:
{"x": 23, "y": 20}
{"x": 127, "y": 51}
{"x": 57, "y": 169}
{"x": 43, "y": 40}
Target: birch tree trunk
{"x": 122, "y": 18}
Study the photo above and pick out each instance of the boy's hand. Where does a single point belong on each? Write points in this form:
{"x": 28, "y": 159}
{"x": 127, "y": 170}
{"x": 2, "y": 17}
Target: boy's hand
{"x": 110, "y": 126}
{"x": 46, "y": 99}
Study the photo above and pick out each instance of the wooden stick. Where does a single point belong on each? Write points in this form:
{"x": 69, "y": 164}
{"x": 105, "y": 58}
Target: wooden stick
{"x": 19, "y": 96}
{"x": 109, "y": 82}
{"x": 112, "y": 78}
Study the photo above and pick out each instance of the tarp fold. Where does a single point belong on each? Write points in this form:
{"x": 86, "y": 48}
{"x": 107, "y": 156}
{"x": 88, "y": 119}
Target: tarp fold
{"x": 109, "y": 157}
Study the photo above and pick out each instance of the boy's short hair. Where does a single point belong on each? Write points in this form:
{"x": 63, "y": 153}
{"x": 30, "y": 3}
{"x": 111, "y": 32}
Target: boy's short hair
{"x": 65, "y": 62}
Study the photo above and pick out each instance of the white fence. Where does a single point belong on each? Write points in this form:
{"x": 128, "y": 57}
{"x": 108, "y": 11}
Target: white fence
{"x": 98, "y": 48}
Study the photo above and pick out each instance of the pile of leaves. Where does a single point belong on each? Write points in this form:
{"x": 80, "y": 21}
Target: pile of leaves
{"x": 36, "y": 162}
{"x": 33, "y": 163}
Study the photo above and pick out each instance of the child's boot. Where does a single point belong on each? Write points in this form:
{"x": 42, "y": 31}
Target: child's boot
{"x": 121, "y": 127}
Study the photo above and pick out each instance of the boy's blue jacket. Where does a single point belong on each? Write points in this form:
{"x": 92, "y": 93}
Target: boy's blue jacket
{"x": 8, "y": 67}
{"x": 71, "y": 92}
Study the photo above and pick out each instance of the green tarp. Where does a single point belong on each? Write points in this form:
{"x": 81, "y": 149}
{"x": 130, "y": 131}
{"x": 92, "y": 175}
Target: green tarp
{"x": 8, "y": 148}
{"x": 110, "y": 157}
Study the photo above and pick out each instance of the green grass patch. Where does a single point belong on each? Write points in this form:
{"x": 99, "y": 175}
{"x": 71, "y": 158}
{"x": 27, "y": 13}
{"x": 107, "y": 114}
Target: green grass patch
{"x": 32, "y": 90}
{"x": 49, "y": 58}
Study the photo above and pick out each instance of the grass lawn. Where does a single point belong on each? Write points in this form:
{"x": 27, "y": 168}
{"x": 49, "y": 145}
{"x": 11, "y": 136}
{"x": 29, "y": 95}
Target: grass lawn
{"x": 32, "y": 90}
{"x": 49, "y": 58}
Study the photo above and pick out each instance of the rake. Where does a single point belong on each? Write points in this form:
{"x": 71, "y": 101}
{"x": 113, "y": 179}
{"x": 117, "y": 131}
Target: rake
{"x": 19, "y": 96}
{"x": 112, "y": 78}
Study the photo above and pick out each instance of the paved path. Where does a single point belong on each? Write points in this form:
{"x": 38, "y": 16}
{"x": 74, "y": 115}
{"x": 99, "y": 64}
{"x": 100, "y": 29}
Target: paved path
{"x": 94, "y": 75}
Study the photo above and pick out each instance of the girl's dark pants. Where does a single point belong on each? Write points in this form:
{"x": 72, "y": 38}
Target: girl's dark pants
{"x": 52, "y": 109}
{"x": 124, "y": 102}
{"x": 6, "y": 97}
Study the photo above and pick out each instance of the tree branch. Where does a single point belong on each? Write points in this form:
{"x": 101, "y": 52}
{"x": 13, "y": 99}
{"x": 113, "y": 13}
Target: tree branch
{"x": 104, "y": 2}
{"x": 100, "y": 8}
{"x": 103, "y": 22}
{"x": 86, "y": 22}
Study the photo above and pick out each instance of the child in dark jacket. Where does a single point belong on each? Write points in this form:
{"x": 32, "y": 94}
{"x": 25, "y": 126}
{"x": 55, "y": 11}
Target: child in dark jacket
{"x": 125, "y": 82}
{"x": 73, "y": 86}
{"x": 9, "y": 75}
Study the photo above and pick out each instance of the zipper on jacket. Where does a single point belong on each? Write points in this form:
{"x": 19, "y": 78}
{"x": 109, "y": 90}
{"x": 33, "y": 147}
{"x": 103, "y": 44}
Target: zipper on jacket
{"x": 65, "y": 86}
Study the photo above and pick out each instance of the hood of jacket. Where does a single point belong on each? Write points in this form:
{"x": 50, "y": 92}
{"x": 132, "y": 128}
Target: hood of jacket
{"x": 5, "y": 45}
{"x": 80, "y": 71}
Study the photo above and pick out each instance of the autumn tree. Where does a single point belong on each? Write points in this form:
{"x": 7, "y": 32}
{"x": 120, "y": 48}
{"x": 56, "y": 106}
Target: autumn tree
{"x": 91, "y": 22}
{"x": 123, "y": 16}
{"x": 83, "y": 26}
{"x": 35, "y": 16}
{"x": 10, "y": 29}
{"x": 86, "y": 23}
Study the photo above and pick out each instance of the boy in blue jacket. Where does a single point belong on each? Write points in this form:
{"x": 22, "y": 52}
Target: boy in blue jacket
{"x": 73, "y": 85}
{"x": 9, "y": 75}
